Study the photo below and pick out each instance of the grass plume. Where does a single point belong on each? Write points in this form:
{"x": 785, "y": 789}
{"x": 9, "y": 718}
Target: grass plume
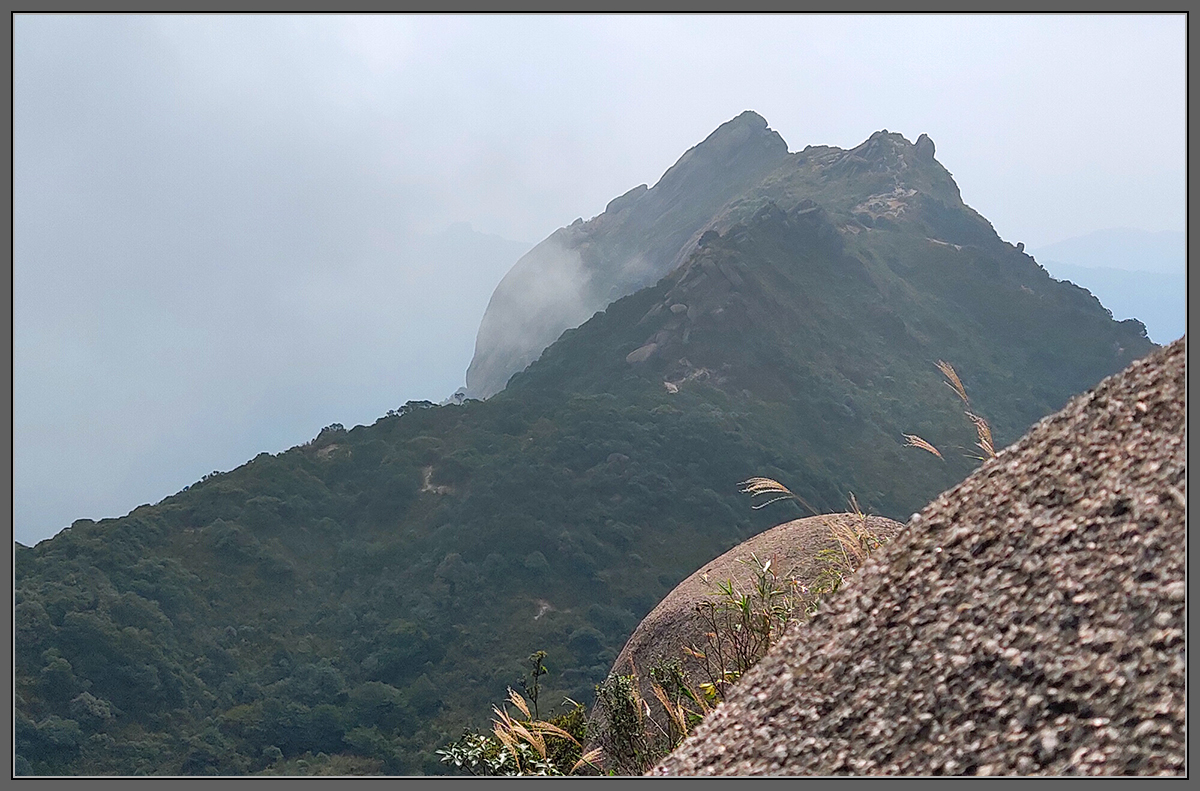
{"x": 952, "y": 380}
{"x": 913, "y": 441}
{"x": 528, "y": 746}
{"x": 984, "y": 431}
{"x": 758, "y": 486}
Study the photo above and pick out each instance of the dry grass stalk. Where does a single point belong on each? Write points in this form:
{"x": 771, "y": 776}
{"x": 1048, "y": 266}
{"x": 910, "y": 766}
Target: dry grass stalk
{"x": 519, "y": 702}
{"x": 854, "y": 540}
{"x": 516, "y": 728}
{"x": 913, "y": 441}
{"x": 857, "y": 510}
{"x": 587, "y": 759}
{"x": 506, "y": 738}
{"x": 767, "y": 486}
{"x": 953, "y": 382}
{"x": 675, "y": 711}
{"x": 509, "y": 732}
{"x": 641, "y": 706}
{"x": 549, "y": 727}
{"x": 982, "y": 430}
{"x": 985, "y": 435}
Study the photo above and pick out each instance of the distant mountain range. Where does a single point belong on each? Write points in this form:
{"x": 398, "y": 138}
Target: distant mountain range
{"x": 1134, "y": 273}
{"x": 349, "y": 605}
{"x": 1131, "y": 249}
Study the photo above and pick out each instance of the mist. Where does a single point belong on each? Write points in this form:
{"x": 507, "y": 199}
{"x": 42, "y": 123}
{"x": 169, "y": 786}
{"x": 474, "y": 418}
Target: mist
{"x": 208, "y": 374}
{"x": 550, "y": 284}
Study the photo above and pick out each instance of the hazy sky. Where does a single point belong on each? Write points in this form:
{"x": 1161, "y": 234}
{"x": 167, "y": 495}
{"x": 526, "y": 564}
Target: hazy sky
{"x": 222, "y": 224}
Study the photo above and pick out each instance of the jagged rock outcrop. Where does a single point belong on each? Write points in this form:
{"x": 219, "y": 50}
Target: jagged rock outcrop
{"x": 1031, "y": 620}
{"x": 925, "y": 147}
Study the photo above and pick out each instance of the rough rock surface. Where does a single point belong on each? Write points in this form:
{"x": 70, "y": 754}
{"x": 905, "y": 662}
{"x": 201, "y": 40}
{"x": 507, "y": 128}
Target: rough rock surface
{"x": 791, "y": 547}
{"x": 1028, "y": 621}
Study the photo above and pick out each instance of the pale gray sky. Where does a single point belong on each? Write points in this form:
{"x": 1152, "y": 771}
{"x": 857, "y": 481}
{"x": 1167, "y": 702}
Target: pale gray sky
{"x": 222, "y": 224}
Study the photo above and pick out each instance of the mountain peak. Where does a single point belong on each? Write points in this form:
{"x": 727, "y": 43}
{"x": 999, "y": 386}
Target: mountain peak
{"x": 639, "y": 238}
{"x": 882, "y": 144}
{"x": 746, "y": 118}
{"x": 747, "y": 131}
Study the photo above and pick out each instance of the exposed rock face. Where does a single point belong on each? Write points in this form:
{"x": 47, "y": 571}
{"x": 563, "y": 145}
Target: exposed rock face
{"x": 791, "y": 547}
{"x": 640, "y": 237}
{"x": 1028, "y": 621}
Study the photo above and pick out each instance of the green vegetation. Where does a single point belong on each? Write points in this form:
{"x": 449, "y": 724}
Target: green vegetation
{"x": 742, "y": 625}
{"x": 524, "y": 745}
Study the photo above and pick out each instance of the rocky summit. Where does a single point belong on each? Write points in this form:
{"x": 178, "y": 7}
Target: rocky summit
{"x": 1030, "y": 621}
{"x": 639, "y": 237}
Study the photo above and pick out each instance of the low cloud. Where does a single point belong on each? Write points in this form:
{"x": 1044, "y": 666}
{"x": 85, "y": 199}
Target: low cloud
{"x": 546, "y": 291}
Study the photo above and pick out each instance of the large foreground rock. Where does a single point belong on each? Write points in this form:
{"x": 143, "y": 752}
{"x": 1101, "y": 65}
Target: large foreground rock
{"x": 1028, "y": 621}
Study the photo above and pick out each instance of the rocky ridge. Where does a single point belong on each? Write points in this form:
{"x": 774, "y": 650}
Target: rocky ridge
{"x": 883, "y": 184}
